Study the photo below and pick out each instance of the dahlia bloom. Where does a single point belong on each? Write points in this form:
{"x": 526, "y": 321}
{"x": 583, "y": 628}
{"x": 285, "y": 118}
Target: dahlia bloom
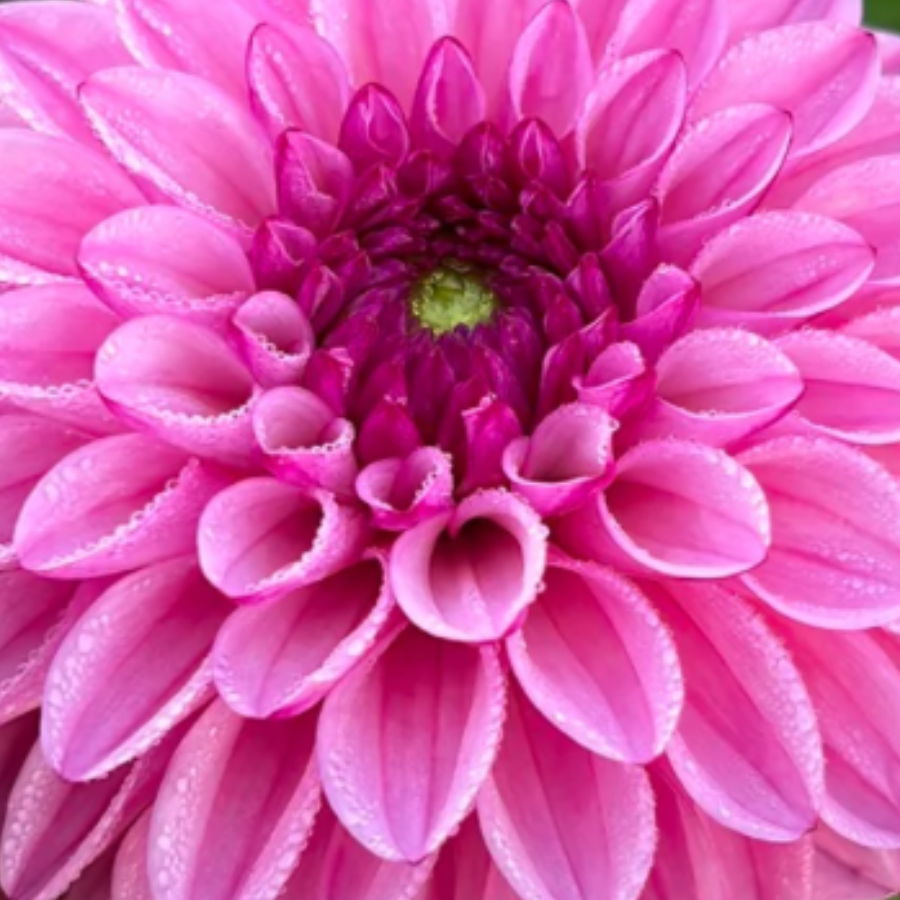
{"x": 449, "y": 450}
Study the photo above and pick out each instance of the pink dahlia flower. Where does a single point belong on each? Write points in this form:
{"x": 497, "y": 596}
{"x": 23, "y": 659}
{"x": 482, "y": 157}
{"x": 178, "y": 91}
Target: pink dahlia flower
{"x": 449, "y": 450}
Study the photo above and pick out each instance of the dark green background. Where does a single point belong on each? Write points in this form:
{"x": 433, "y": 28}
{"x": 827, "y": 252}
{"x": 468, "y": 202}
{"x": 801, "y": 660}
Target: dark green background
{"x": 884, "y": 13}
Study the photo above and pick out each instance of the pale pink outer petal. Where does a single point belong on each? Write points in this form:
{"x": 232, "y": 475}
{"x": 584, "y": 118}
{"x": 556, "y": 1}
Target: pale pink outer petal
{"x": 826, "y": 97}
{"x": 115, "y": 505}
{"x": 261, "y": 539}
{"x": 182, "y": 383}
{"x": 148, "y": 638}
{"x": 844, "y": 870}
{"x": 835, "y": 548}
{"x": 281, "y": 658}
{"x": 699, "y": 858}
{"x": 746, "y": 749}
{"x": 774, "y": 270}
{"x": 469, "y": 575}
{"x": 52, "y": 193}
{"x": 889, "y": 44}
{"x": 336, "y": 865}
{"x": 235, "y": 808}
{"x": 377, "y": 737}
{"x": 192, "y": 141}
{"x": 674, "y": 507}
{"x": 746, "y": 18}
{"x": 560, "y": 822}
{"x": 130, "y": 876}
{"x": 162, "y": 259}
{"x": 597, "y": 661}
{"x": 880, "y": 328}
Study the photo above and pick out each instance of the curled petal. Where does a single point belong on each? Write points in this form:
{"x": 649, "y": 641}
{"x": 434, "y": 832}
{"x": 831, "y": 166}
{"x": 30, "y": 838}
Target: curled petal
{"x": 227, "y": 773}
{"x": 150, "y": 635}
{"x": 261, "y": 538}
{"x": 488, "y": 429}
{"x": 560, "y": 822}
{"x": 597, "y": 661}
{"x": 374, "y": 131}
{"x": 115, "y": 505}
{"x": 278, "y": 253}
{"x": 564, "y": 461}
{"x": 148, "y": 119}
{"x": 402, "y": 492}
{"x": 835, "y": 534}
{"x": 617, "y": 381}
{"x": 377, "y": 735}
{"x": 677, "y": 508}
{"x": 162, "y": 259}
{"x": 469, "y": 575}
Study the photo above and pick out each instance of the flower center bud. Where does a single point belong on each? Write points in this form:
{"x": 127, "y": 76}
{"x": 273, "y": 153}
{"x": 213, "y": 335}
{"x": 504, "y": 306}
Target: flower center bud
{"x": 452, "y": 295}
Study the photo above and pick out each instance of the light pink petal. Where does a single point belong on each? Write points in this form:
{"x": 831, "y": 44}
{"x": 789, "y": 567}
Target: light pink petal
{"x": 281, "y": 658}
{"x": 564, "y": 461}
{"x": 274, "y": 338}
{"x": 881, "y": 329}
{"x": 677, "y": 508}
{"x": 147, "y": 637}
{"x": 699, "y": 858}
{"x": 719, "y": 386}
{"x": 261, "y": 538}
{"x": 336, "y": 865}
{"x": 852, "y": 389}
{"x": 560, "y": 822}
{"x": 130, "y": 877}
{"x": 889, "y": 45}
{"x": 844, "y": 870}
{"x": 746, "y": 748}
{"x": 835, "y": 534}
{"x": 178, "y": 35}
{"x": 696, "y": 31}
{"x": 402, "y": 492}
{"x": 551, "y": 69}
{"x": 826, "y": 97}
{"x": 303, "y": 442}
{"x": 378, "y": 733}
{"x": 48, "y": 50}
{"x": 596, "y": 660}
{"x": 628, "y": 124}
{"x": 469, "y": 575}
{"x": 181, "y": 382}
{"x": 53, "y": 191}
{"x": 297, "y": 81}
{"x": 235, "y": 808}
{"x": 777, "y": 269}
{"x": 718, "y": 173}
{"x": 218, "y": 164}
{"x": 162, "y": 259}
{"x": 618, "y": 380}
{"x": 746, "y": 18}
{"x": 115, "y": 505}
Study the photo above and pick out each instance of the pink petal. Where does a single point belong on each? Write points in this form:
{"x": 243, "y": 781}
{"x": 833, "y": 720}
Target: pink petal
{"x": 881, "y": 329}
{"x": 561, "y": 823}
{"x": 551, "y": 70}
{"x": 260, "y": 538}
{"x": 617, "y": 381}
{"x": 718, "y": 173}
{"x": 402, "y": 492}
{"x": 719, "y": 386}
{"x": 826, "y": 97}
{"x": 115, "y": 505}
{"x": 148, "y": 636}
{"x": 774, "y": 270}
{"x": 489, "y": 428}
{"x": 161, "y": 259}
{"x": 281, "y": 658}
{"x": 47, "y": 52}
{"x": 746, "y": 17}
{"x": 378, "y": 737}
{"x": 130, "y": 878}
{"x": 889, "y": 45}
{"x": 297, "y": 81}
{"x": 746, "y": 748}
{"x": 16, "y": 740}
{"x": 596, "y": 660}
{"x": 852, "y": 388}
{"x": 235, "y": 808}
{"x": 303, "y": 442}
{"x": 566, "y": 459}
{"x": 835, "y": 534}
{"x": 677, "y": 508}
{"x": 846, "y": 871}
{"x": 218, "y": 164}
{"x": 52, "y": 193}
{"x": 469, "y": 575}
{"x": 182, "y": 382}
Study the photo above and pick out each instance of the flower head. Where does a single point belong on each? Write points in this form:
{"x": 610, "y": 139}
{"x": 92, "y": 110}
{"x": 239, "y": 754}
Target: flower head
{"x": 448, "y": 450}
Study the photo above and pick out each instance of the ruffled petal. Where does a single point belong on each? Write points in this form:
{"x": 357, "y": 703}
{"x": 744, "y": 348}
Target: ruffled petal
{"x": 377, "y": 740}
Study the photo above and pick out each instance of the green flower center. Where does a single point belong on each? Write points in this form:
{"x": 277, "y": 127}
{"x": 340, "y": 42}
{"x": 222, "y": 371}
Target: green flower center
{"x": 452, "y": 295}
